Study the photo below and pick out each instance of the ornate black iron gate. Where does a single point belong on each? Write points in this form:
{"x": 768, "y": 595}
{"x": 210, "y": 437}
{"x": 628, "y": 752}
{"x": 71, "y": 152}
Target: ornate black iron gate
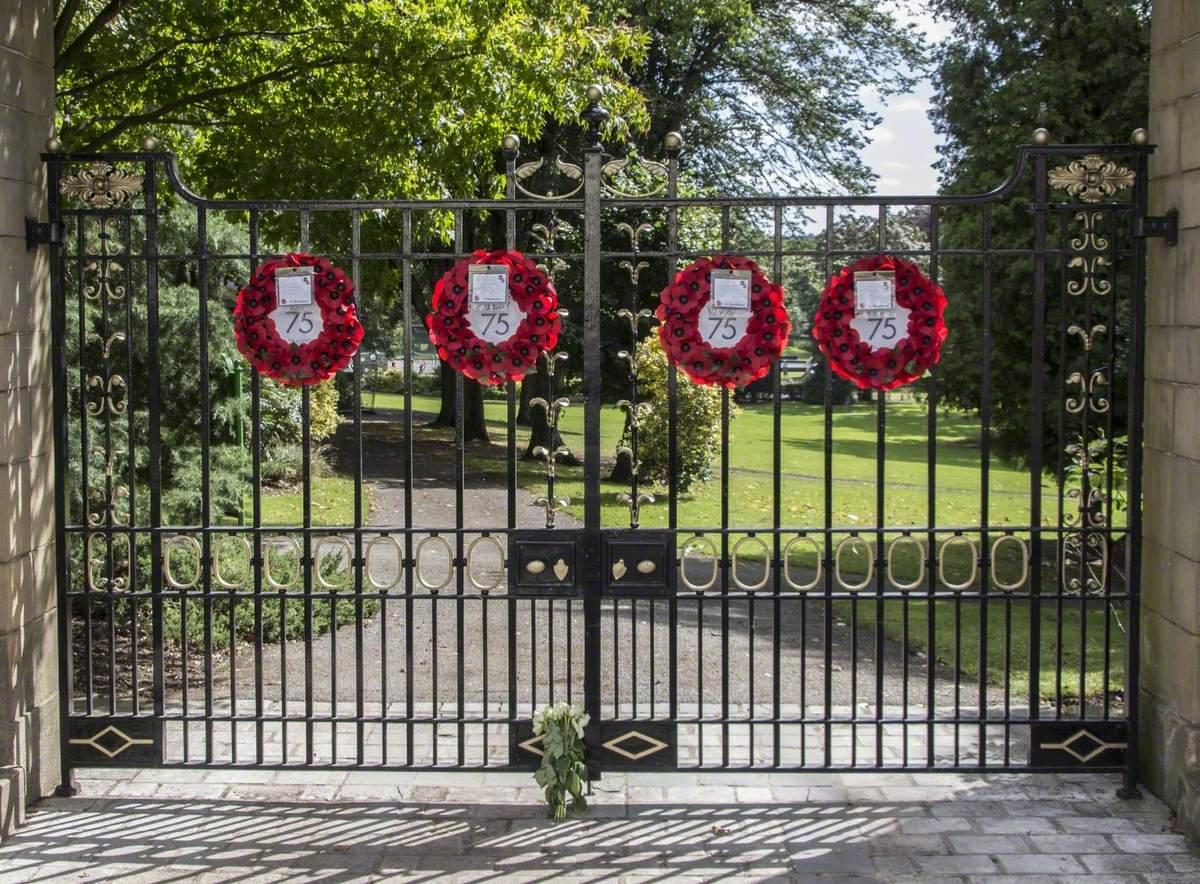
{"x": 775, "y": 620}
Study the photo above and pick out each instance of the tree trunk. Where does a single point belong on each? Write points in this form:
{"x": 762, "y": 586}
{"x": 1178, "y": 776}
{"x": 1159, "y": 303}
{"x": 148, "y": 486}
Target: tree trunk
{"x": 622, "y": 470}
{"x": 474, "y": 424}
{"x": 538, "y": 431}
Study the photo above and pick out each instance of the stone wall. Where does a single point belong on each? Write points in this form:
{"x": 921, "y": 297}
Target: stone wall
{"x": 1169, "y": 732}
{"x": 28, "y": 625}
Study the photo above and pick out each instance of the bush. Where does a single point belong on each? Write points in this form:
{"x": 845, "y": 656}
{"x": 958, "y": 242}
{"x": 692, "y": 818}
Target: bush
{"x": 698, "y": 421}
{"x": 281, "y": 408}
{"x": 283, "y": 465}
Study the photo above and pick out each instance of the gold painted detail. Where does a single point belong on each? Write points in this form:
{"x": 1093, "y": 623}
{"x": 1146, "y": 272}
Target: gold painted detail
{"x": 1098, "y": 746}
{"x": 646, "y": 566}
{"x": 649, "y": 745}
{"x": 1090, "y": 239}
{"x": 527, "y": 170}
{"x": 537, "y": 566}
{"x": 1092, "y": 277}
{"x": 531, "y": 745}
{"x": 561, "y": 570}
{"x": 126, "y": 741}
{"x": 618, "y": 569}
{"x": 1091, "y": 178}
{"x": 653, "y": 175}
{"x": 102, "y": 185}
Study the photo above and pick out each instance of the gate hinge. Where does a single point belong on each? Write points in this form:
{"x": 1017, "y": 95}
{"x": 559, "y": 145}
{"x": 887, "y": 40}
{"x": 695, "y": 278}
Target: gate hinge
{"x": 1166, "y": 227}
{"x": 42, "y": 233}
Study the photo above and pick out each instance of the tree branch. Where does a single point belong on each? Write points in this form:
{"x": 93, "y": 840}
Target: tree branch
{"x": 107, "y": 14}
{"x": 62, "y": 26}
{"x": 157, "y": 113}
{"x": 155, "y": 57}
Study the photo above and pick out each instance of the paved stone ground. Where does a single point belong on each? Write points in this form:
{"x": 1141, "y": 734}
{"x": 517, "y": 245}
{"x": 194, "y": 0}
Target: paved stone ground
{"x": 297, "y": 825}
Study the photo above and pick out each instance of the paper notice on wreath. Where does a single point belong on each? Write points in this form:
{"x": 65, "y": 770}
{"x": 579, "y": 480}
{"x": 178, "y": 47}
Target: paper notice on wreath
{"x": 487, "y": 286}
{"x": 878, "y": 319}
{"x": 297, "y": 316}
{"x": 730, "y": 292}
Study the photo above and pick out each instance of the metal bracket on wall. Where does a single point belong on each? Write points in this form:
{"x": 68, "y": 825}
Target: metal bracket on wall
{"x": 1165, "y": 227}
{"x": 41, "y": 233}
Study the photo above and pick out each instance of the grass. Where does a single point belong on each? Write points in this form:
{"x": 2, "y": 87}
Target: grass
{"x": 906, "y": 476}
{"x": 331, "y": 503}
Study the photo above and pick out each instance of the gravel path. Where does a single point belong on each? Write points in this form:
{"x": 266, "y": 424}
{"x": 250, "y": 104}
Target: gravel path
{"x": 635, "y": 645}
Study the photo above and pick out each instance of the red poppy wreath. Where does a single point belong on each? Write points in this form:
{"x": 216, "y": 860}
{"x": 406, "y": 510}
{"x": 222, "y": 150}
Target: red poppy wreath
{"x": 692, "y": 334}
{"x": 300, "y": 354}
{"x": 501, "y": 346}
{"x": 882, "y": 368}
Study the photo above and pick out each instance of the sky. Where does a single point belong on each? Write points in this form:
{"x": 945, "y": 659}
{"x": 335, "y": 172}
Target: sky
{"x": 904, "y": 147}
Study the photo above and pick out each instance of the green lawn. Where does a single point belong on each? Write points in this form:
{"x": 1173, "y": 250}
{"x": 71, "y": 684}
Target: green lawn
{"x": 332, "y": 504}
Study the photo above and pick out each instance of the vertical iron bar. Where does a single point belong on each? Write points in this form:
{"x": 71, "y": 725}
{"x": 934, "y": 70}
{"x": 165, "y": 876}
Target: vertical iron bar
{"x": 592, "y": 390}
{"x": 359, "y": 561}
{"x": 66, "y": 660}
{"x": 985, "y": 448}
{"x": 1036, "y": 372}
{"x": 205, "y": 479}
{"x": 409, "y": 560}
{"x": 306, "y": 563}
{"x": 777, "y": 510}
{"x": 1129, "y": 788}
{"x": 256, "y": 518}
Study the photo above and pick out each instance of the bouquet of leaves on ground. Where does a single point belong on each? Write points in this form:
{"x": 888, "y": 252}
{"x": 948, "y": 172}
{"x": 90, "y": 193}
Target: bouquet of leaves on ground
{"x": 563, "y": 772}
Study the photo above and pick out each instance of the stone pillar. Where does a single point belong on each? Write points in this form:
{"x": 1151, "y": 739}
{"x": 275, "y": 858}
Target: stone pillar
{"x": 1170, "y": 686}
{"x": 29, "y": 729}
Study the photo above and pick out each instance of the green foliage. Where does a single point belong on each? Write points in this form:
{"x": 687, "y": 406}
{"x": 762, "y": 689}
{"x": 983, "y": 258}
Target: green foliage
{"x": 281, "y": 411}
{"x": 1078, "y": 68}
{"x": 562, "y": 772}
{"x": 283, "y": 465}
{"x": 698, "y": 421}
{"x": 768, "y": 91}
{"x": 331, "y": 98}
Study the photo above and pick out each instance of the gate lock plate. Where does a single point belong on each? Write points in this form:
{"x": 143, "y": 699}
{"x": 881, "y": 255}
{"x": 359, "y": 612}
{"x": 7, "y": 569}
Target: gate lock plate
{"x": 545, "y": 561}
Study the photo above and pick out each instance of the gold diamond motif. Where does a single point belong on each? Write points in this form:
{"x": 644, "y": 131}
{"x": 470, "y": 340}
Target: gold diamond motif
{"x": 1098, "y": 746}
{"x": 531, "y": 745}
{"x": 652, "y": 745}
{"x": 94, "y": 741}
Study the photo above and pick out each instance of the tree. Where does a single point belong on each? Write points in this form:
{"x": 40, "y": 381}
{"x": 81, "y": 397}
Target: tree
{"x": 768, "y": 93}
{"x": 1078, "y": 68}
{"x": 326, "y": 98}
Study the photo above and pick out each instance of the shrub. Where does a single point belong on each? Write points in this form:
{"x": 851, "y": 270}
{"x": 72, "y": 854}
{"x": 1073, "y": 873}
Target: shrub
{"x": 283, "y": 465}
{"x": 698, "y": 421}
{"x": 281, "y": 406}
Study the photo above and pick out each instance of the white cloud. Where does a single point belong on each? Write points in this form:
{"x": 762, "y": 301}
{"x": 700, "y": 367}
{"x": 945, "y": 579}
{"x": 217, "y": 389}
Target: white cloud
{"x": 882, "y": 135}
{"x": 909, "y": 105}
{"x": 893, "y": 164}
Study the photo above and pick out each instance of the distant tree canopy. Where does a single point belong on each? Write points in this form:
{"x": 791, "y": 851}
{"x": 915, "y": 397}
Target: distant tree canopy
{"x": 1078, "y": 68}
{"x": 768, "y": 94}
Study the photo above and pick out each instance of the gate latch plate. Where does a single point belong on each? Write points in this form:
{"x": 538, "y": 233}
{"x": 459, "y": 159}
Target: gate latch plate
{"x": 1164, "y": 227}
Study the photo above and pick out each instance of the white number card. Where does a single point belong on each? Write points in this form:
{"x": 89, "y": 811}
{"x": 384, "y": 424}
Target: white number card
{"x": 487, "y": 285}
{"x": 294, "y": 286}
{"x": 874, "y": 290}
{"x": 720, "y": 328}
{"x": 730, "y": 290}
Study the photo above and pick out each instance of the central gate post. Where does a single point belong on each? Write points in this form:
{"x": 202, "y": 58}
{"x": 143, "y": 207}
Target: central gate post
{"x": 593, "y": 117}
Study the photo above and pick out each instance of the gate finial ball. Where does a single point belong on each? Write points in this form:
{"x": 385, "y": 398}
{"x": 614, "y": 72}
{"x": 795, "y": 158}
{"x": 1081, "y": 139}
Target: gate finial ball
{"x": 673, "y": 142}
{"x": 54, "y": 144}
{"x": 593, "y": 94}
{"x": 149, "y": 144}
{"x": 510, "y": 143}
{"x": 1041, "y": 136}
{"x": 1140, "y": 137}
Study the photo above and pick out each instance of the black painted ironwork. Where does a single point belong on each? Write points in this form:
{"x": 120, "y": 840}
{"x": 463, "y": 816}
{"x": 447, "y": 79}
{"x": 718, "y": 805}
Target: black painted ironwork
{"x": 745, "y": 643}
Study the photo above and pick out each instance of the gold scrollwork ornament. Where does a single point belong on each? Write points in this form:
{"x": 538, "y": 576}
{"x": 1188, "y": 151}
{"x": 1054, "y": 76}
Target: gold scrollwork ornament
{"x": 1091, "y": 178}
{"x": 102, "y": 185}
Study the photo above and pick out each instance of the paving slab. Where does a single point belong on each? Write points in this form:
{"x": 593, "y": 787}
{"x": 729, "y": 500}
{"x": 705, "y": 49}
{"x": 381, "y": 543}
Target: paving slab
{"x": 188, "y": 825}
